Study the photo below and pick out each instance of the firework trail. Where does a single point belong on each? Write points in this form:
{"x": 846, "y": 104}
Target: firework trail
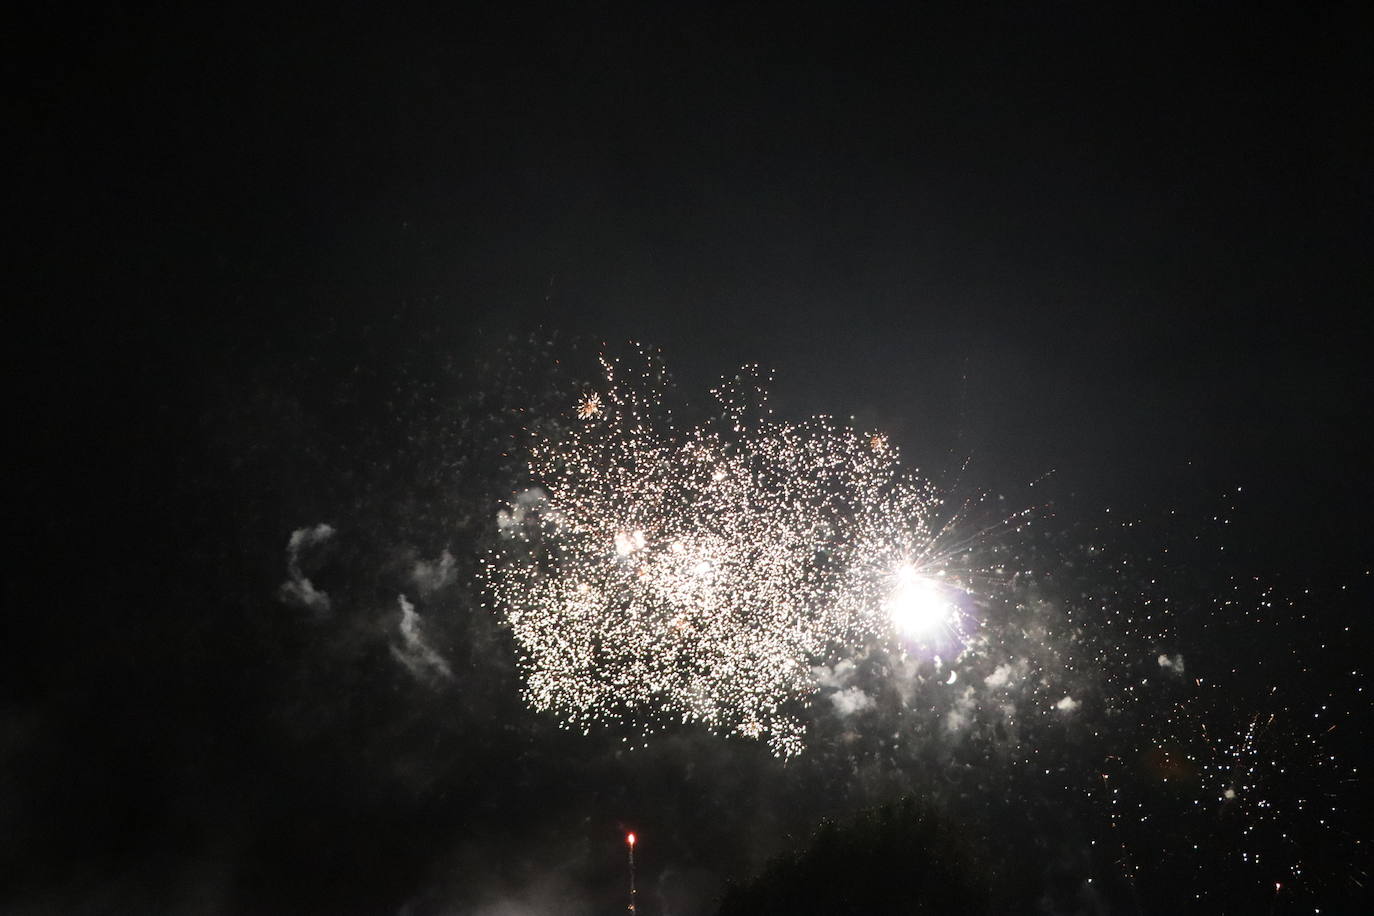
{"x": 630, "y": 846}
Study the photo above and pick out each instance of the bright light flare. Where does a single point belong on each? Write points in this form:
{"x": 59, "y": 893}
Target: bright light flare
{"x": 630, "y": 839}
{"x": 917, "y": 605}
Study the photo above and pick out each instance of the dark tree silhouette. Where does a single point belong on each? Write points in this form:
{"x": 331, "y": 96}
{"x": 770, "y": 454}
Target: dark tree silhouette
{"x": 897, "y": 859}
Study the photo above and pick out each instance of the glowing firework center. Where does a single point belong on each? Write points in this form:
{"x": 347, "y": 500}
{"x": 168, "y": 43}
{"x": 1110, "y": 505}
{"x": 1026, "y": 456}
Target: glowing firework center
{"x": 696, "y": 574}
{"x": 919, "y": 607}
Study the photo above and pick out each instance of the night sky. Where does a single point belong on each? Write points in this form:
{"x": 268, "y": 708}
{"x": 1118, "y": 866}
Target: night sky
{"x": 1105, "y": 271}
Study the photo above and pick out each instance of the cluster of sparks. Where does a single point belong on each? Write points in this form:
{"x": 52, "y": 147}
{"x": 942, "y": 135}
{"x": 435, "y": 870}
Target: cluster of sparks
{"x": 1227, "y": 769}
{"x": 697, "y": 572}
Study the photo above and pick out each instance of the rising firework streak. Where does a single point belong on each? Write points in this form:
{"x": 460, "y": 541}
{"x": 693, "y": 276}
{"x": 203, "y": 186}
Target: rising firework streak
{"x": 630, "y": 845}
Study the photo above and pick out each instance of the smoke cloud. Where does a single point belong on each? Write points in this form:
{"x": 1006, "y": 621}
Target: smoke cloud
{"x": 415, "y": 652}
{"x": 431, "y": 576}
{"x": 1174, "y": 664}
{"x": 851, "y": 700}
{"x": 961, "y": 712}
{"x": 298, "y": 590}
{"x": 1006, "y": 674}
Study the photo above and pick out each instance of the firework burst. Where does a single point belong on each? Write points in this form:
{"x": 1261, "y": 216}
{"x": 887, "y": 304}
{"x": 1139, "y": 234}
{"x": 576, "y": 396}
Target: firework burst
{"x": 696, "y": 572}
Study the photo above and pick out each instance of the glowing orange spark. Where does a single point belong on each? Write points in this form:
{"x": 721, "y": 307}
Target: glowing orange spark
{"x": 590, "y": 406}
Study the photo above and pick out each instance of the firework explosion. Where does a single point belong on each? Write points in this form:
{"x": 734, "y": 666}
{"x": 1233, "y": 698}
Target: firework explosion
{"x": 698, "y": 572}
{"x": 790, "y": 581}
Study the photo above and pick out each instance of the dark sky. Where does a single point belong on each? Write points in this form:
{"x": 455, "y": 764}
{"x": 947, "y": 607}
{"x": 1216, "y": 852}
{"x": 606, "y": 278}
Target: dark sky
{"x": 1101, "y": 242}
{"x": 1130, "y": 246}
